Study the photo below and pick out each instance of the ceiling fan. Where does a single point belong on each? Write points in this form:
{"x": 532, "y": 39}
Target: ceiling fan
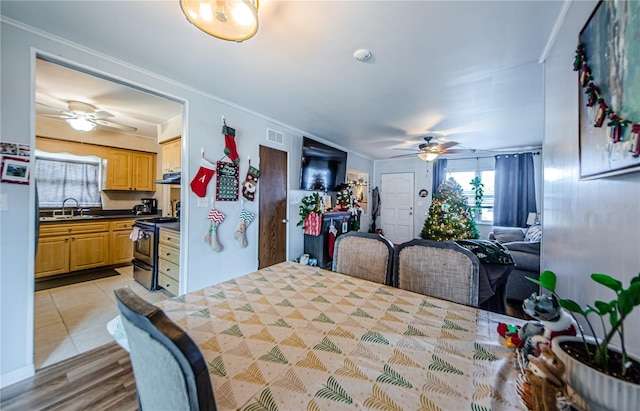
{"x": 86, "y": 117}
{"x": 430, "y": 150}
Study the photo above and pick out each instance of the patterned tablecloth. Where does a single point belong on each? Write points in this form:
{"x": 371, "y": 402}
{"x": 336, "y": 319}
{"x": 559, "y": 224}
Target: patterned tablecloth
{"x": 295, "y": 337}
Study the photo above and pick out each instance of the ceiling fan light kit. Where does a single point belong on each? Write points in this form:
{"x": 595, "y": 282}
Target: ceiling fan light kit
{"x": 81, "y": 124}
{"x": 233, "y": 20}
{"x": 427, "y": 156}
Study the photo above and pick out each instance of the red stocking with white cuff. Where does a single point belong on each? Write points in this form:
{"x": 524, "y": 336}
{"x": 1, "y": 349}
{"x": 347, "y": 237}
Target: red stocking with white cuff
{"x": 202, "y": 178}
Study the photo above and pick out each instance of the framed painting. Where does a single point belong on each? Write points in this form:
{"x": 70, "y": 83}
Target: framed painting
{"x": 608, "y": 62}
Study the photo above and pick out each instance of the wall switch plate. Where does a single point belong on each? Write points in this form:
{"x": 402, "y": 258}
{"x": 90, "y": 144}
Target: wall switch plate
{"x": 202, "y": 202}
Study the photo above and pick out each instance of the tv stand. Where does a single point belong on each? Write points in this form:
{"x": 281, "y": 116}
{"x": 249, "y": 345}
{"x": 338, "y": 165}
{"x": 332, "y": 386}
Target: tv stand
{"x": 318, "y": 246}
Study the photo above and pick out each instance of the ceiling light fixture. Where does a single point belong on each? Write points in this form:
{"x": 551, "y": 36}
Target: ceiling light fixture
{"x": 428, "y": 156}
{"x": 233, "y": 20}
{"x": 81, "y": 124}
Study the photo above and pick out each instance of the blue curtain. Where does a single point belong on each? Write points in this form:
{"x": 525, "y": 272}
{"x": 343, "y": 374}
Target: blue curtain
{"x": 515, "y": 195}
{"x": 439, "y": 173}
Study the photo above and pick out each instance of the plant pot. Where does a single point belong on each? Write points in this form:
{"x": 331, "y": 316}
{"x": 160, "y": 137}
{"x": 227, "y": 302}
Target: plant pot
{"x": 594, "y": 390}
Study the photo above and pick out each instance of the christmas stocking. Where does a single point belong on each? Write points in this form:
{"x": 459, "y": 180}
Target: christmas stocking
{"x": 230, "y": 144}
{"x": 211, "y": 237}
{"x": 249, "y": 185}
{"x": 200, "y": 181}
{"x": 243, "y": 222}
{"x": 333, "y": 232}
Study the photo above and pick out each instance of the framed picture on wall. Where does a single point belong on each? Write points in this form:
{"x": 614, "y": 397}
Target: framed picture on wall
{"x": 15, "y": 169}
{"x": 606, "y": 60}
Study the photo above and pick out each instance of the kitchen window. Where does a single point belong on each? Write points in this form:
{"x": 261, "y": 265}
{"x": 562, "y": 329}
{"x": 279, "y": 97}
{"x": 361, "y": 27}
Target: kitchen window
{"x": 465, "y": 170}
{"x": 63, "y": 175}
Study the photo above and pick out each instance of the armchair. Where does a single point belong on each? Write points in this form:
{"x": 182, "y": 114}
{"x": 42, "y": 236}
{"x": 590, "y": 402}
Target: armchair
{"x": 526, "y": 255}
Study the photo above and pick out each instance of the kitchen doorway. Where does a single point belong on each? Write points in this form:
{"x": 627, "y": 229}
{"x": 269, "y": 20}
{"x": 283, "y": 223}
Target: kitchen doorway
{"x": 120, "y": 119}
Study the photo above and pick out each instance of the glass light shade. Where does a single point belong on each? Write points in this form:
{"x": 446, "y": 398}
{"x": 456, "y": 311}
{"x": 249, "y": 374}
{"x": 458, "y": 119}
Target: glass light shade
{"x": 233, "y": 20}
{"x": 81, "y": 124}
{"x": 428, "y": 156}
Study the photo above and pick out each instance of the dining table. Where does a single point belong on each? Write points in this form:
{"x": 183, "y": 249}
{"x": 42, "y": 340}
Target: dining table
{"x": 297, "y": 337}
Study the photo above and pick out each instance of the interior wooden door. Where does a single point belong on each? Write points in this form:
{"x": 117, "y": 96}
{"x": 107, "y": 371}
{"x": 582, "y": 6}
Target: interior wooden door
{"x": 396, "y": 206}
{"x": 272, "y": 199}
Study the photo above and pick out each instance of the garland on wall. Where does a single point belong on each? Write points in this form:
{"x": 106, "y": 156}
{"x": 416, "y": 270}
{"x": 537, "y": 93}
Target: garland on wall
{"x": 604, "y": 111}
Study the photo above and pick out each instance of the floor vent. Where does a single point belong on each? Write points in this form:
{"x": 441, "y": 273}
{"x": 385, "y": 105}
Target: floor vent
{"x": 275, "y": 136}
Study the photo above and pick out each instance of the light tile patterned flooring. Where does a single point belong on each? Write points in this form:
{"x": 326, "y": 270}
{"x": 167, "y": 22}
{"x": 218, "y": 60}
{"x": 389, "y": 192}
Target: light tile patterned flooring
{"x": 72, "y": 319}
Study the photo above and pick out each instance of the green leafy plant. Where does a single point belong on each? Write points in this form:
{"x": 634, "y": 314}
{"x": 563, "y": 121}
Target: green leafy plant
{"x": 478, "y": 188}
{"x": 617, "y": 311}
{"x": 309, "y": 204}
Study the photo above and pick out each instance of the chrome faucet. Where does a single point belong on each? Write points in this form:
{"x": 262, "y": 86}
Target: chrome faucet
{"x": 65, "y": 200}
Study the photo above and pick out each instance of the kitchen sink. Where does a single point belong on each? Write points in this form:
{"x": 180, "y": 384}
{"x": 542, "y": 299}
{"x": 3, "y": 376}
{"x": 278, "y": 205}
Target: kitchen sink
{"x": 69, "y": 217}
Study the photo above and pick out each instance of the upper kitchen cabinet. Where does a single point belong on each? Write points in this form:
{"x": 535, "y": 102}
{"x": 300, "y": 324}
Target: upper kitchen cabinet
{"x": 130, "y": 170}
{"x": 171, "y": 156}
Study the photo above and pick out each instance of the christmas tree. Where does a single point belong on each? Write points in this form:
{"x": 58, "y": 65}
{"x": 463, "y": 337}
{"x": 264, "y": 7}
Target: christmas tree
{"x": 450, "y": 217}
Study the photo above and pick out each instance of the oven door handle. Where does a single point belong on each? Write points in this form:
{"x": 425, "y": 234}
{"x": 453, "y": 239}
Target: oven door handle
{"x": 141, "y": 264}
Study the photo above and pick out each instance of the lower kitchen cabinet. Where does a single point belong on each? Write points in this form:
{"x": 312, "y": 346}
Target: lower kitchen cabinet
{"x": 88, "y": 251}
{"x": 52, "y": 257}
{"x": 121, "y": 245}
{"x": 169, "y": 260}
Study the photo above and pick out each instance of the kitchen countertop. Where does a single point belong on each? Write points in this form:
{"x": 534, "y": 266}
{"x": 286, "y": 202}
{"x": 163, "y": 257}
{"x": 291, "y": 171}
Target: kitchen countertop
{"x": 96, "y": 217}
{"x": 170, "y": 226}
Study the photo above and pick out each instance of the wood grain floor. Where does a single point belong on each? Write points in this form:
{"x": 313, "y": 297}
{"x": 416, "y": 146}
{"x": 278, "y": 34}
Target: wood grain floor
{"x": 101, "y": 379}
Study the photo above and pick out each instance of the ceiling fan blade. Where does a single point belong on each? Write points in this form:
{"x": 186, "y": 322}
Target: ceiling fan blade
{"x": 114, "y": 126}
{"x": 459, "y": 151}
{"x": 405, "y": 155}
{"x": 446, "y": 145}
{"x": 63, "y": 116}
{"x": 100, "y": 114}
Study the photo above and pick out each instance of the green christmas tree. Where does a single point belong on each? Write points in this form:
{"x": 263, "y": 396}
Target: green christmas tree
{"x": 450, "y": 217}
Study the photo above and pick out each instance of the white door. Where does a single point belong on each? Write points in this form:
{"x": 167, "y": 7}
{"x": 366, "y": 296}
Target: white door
{"x": 396, "y": 206}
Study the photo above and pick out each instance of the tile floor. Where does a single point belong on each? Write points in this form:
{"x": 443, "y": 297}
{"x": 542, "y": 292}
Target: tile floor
{"x": 72, "y": 319}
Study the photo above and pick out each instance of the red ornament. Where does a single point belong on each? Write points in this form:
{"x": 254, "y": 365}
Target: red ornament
{"x": 634, "y": 139}
{"x": 601, "y": 114}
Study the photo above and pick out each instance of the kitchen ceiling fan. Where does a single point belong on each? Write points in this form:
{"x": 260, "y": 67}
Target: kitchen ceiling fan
{"x": 430, "y": 150}
{"x": 86, "y": 117}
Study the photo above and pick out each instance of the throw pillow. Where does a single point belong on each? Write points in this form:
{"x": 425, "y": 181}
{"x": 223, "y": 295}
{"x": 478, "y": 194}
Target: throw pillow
{"x": 508, "y": 234}
{"x": 534, "y": 234}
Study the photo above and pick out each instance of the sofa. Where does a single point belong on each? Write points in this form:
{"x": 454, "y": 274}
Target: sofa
{"x": 524, "y": 246}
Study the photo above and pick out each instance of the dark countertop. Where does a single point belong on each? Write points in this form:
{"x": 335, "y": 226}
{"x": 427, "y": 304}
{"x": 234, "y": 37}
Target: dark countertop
{"x": 97, "y": 217}
{"x": 170, "y": 226}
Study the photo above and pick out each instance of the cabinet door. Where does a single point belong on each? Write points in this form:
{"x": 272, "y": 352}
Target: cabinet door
{"x": 52, "y": 257}
{"x": 144, "y": 167}
{"x": 121, "y": 247}
{"x": 119, "y": 170}
{"x": 171, "y": 156}
{"x": 88, "y": 251}
{"x": 176, "y": 155}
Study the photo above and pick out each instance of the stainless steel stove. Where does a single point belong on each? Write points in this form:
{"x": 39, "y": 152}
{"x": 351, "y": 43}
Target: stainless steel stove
{"x": 145, "y": 254}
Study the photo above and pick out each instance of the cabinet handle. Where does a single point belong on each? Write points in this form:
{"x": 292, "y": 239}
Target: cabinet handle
{"x": 168, "y": 269}
{"x": 168, "y": 238}
{"x": 168, "y": 254}
{"x": 73, "y": 238}
{"x": 66, "y": 239}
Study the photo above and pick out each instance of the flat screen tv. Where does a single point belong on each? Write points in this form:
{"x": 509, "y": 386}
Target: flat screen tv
{"x": 323, "y": 167}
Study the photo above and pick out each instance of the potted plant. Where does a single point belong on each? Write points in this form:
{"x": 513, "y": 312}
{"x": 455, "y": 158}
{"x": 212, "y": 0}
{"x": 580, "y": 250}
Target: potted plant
{"x": 604, "y": 378}
{"x": 478, "y": 188}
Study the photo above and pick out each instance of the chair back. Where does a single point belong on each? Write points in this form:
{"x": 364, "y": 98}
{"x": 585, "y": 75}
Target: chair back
{"x": 439, "y": 269}
{"x": 364, "y": 255}
{"x": 169, "y": 369}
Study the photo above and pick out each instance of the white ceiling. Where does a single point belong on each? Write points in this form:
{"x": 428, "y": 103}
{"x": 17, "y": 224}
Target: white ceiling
{"x": 465, "y": 70}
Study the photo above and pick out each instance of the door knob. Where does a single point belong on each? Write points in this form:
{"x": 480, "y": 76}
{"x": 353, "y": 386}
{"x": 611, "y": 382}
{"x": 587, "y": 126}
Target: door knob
{"x": 285, "y": 221}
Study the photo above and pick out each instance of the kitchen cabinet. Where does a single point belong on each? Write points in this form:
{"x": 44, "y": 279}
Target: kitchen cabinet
{"x": 130, "y": 170}
{"x": 66, "y": 247}
{"x": 169, "y": 260}
{"x": 171, "y": 156}
{"x": 120, "y": 244}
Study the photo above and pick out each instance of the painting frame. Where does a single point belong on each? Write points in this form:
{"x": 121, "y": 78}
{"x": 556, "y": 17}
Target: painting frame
{"x": 603, "y": 38}
{"x": 15, "y": 169}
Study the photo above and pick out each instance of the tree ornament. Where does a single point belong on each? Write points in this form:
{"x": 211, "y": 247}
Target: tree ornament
{"x": 601, "y": 113}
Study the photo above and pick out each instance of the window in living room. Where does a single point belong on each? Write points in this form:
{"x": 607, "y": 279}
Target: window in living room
{"x": 465, "y": 170}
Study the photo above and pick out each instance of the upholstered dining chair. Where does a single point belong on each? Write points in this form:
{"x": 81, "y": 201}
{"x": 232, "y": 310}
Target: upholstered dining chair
{"x": 439, "y": 269}
{"x": 169, "y": 369}
{"x": 364, "y": 255}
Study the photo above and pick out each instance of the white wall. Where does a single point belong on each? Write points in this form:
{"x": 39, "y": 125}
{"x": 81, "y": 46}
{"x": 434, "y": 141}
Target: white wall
{"x": 589, "y": 226}
{"x": 201, "y": 129}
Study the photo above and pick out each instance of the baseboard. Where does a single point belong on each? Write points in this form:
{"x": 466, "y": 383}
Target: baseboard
{"x": 18, "y": 375}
